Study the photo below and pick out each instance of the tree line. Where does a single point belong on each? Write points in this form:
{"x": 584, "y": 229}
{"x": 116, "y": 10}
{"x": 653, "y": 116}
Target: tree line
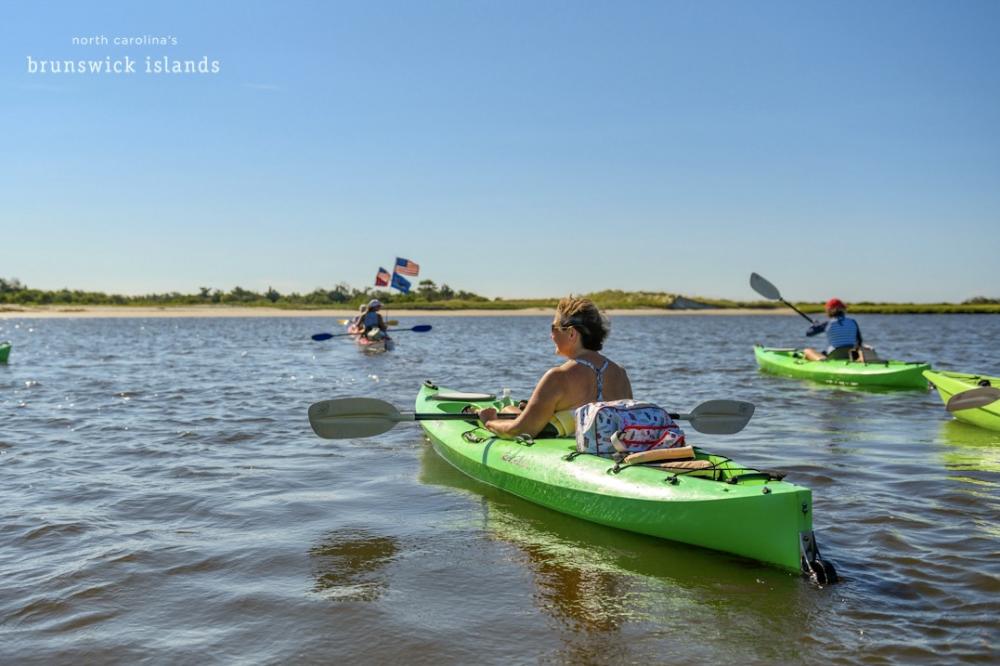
{"x": 428, "y": 295}
{"x": 13, "y": 291}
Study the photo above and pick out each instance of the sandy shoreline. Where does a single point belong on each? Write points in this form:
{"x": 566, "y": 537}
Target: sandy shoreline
{"x": 111, "y": 311}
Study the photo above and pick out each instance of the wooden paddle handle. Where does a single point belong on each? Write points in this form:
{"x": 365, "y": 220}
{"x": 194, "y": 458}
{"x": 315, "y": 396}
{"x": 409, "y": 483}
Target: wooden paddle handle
{"x": 676, "y": 453}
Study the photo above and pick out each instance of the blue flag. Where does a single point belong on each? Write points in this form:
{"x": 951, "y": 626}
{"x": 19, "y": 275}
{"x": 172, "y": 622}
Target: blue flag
{"x": 400, "y": 282}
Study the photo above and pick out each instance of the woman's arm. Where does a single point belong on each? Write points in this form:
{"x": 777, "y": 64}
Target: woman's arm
{"x": 817, "y": 328}
{"x": 540, "y": 408}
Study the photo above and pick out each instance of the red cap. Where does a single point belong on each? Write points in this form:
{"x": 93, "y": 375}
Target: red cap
{"x": 835, "y": 304}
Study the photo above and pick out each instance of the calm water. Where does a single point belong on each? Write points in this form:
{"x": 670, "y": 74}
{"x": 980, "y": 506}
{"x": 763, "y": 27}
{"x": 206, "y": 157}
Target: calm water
{"x": 164, "y": 500}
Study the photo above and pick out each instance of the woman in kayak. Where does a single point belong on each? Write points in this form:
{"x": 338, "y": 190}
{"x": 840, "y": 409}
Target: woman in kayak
{"x": 578, "y": 331}
{"x": 356, "y": 319}
{"x": 842, "y": 332}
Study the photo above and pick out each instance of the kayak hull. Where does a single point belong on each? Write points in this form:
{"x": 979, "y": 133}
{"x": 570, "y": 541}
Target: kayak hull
{"x": 755, "y": 516}
{"x": 950, "y": 383}
{"x": 4, "y": 351}
{"x": 374, "y": 346}
{"x": 883, "y": 374}
{"x": 369, "y": 345}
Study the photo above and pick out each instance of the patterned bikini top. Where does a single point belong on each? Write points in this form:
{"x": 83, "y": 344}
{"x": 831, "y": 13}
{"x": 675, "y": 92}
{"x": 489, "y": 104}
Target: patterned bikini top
{"x": 600, "y": 375}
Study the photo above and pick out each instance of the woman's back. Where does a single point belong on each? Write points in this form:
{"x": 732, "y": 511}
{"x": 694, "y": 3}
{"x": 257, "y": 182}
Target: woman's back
{"x": 579, "y": 383}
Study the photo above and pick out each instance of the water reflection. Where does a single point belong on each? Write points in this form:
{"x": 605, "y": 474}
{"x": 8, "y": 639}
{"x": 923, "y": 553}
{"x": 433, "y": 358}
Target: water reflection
{"x": 597, "y": 580}
{"x": 348, "y": 565}
{"x": 969, "y": 448}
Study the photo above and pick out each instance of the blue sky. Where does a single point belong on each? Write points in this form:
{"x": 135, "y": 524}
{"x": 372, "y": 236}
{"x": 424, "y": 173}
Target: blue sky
{"x": 510, "y": 148}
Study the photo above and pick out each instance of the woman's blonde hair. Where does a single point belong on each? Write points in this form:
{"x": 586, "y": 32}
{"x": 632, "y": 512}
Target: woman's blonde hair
{"x": 583, "y": 315}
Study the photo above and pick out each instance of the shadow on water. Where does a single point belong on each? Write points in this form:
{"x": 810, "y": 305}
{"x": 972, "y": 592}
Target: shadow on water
{"x": 349, "y": 565}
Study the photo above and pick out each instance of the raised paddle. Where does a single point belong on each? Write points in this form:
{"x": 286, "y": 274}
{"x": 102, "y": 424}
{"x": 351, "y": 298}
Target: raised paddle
{"x": 422, "y": 328}
{"x": 771, "y": 293}
{"x": 973, "y": 398}
{"x": 350, "y": 418}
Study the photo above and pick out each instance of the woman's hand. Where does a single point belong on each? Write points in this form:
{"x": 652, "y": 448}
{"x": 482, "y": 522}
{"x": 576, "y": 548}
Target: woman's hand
{"x": 487, "y": 414}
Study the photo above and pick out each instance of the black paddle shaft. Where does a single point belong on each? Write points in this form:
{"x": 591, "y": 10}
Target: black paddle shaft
{"x": 459, "y": 417}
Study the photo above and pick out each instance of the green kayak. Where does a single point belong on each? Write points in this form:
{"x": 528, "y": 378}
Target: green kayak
{"x": 886, "y": 374}
{"x": 4, "y": 351}
{"x": 950, "y": 383}
{"x": 722, "y": 506}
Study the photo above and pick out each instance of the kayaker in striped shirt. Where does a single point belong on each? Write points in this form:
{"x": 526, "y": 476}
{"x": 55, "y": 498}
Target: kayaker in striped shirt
{"x": 842, "y": 332}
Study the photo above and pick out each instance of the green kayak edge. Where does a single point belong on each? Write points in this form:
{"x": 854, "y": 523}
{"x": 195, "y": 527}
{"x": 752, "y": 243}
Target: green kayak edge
{"x": 728, "y": 508}
{"x": 885, "y": 374}
{"x": 4, "y": 351}
{"x": 950, "y": 383}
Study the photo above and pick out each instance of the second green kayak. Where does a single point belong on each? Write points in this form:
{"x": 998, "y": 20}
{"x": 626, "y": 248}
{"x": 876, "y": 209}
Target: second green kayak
{"x": 4, "y": 351}
{"x": 724, "y": 506}
{"x": 886, "y": 374}
{"x": 950, "y": 383}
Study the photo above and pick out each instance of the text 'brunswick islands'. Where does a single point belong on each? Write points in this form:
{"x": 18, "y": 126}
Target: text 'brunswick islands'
{"x": 124, "y": 65}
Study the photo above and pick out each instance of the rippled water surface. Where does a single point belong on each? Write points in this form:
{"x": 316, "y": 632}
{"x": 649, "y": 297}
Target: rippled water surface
{"x": 163, "y": 499}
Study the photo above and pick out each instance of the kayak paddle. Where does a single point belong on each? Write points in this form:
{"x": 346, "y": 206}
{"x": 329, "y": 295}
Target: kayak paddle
{"x": 348, "y": 418}
{"x": 422, "y": 328}
{"x": 973, "y": 398}
{"x": 771, "y": 293}
{"x": 345, "y": 322}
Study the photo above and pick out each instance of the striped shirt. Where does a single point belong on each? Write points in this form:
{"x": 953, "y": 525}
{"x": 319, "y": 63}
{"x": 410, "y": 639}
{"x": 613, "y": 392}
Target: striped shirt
{"x": 840, "y": 332}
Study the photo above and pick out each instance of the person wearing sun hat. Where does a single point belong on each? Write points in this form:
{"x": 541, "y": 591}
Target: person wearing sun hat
{"x": 842, "y": 333}
{"x": 374, "y": 324}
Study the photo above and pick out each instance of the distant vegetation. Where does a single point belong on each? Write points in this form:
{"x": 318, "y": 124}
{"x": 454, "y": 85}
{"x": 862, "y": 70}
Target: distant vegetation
{"x": 429, "y": 296}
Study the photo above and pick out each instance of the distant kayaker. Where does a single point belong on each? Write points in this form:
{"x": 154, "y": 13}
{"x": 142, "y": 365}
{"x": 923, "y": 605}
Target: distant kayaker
{"x": 842, "y": 332}
{"x": 372, "y": 321}
{"x": 578, "y": 331}
{"x": 356, "y": 319}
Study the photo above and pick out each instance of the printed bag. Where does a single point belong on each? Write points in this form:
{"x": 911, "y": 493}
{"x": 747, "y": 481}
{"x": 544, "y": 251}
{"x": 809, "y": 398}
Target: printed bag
{"x": 625, "y": 426}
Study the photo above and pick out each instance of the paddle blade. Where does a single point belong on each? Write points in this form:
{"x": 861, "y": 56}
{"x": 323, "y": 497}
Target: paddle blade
{"x": 421, "y": 328}
{"x": 764, "y": 288}
{"x": 350, "y": 418}
{"x": 720, "y": 417}
{"x": 322, "y": 336}
{"x": 973, "y": 398}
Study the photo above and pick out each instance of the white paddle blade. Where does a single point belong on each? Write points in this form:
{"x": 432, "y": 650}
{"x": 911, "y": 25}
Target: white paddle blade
{"x": 721, "y": 417}
{"x": 764, "y": 288}
{"x": 351, "y": 418}
{"x": 973, "y": 398}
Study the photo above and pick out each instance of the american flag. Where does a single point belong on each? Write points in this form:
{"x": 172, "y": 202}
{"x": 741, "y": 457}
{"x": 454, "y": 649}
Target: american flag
{"x": 407, "y": 267}
{"x": 382, "y": 277}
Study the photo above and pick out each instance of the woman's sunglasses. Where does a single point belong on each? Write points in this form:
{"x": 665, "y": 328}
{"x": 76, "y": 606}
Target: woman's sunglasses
{"x": 555, "y": 328}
